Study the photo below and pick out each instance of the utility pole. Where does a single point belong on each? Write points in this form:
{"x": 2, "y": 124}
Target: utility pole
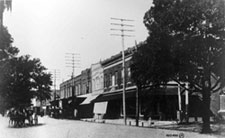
{"x": 137, "y": 99}
{"x": 122, "y": 34}
{"x": 55, "y": 76}
{"x": 72, "y": 60}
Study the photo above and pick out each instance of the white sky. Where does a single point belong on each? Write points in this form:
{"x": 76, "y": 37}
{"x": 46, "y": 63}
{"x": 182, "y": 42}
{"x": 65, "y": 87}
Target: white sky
{"x": 48, "y": 29}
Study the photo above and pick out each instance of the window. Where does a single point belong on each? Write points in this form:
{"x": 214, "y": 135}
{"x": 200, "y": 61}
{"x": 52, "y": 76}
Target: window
{"x": 122, "y": 75}
{"x": 113, "y": 80}
{"x": 101, "y": 82}
{"x": 70, "y": 91}
{"x": 84, "y": 88}
{"x": 116, "y": 78}
{"x": 97, "y": 83}
{"x": 88, "y": 89}
{"x": 64, "y": 92}
{"x": 128, "y": 75}
{"x": 79, "y": 89}
{"x": 110, "y": 79}
{"x": 76, "y": 91}
{"x": 93, "y": 85}
{"x": 105, "y": 81}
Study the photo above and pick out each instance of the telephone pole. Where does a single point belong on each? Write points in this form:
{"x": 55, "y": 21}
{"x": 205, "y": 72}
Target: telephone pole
{"x": 73, "y": 60}
{"x": 122, "y": 24}
{"x": 55, "y": 76}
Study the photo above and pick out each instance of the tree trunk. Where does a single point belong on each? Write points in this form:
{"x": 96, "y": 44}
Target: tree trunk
{"x": 206, "y": 111}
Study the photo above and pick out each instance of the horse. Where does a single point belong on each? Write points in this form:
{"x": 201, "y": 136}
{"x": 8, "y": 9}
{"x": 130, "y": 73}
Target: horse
{"x": 17, "y": 117}
{"x": 11, "y": 116}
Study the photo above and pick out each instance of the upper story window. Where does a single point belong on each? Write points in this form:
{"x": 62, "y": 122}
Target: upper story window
{"x": 116, "y": 78}
{"x": 122, "y": 75}
{"x": 70, "y": 93}
{"x": 113, "y": 80}
{"x": 84, "y": 88}
{"x": 76, "y": 90}
{"x": 88, "y": 87}
{"x": 97, "y": 83}
{"x": 110, "y": 79}
{"x": 79, "y": 90}
{"x": 128, "y": 75}
{"x": 93, "y": 84}
{"x": 101, "y": 82}
{"x": 105, "y": 81}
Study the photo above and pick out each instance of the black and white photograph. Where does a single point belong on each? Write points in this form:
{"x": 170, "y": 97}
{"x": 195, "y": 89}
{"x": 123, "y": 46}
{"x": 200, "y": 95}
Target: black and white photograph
{"x": 112, "y": 68}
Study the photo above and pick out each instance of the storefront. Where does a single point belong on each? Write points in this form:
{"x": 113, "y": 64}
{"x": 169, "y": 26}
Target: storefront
{"x": 85, "y": 108}
{"x": 160, "y": 104}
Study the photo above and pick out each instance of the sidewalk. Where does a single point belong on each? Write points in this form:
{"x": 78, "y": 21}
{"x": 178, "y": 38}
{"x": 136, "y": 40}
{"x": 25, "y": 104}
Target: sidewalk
{"x": 218, "y": 129}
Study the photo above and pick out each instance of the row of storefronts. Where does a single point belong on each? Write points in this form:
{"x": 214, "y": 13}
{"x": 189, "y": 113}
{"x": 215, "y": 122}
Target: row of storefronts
{"x": 97, "y": 93}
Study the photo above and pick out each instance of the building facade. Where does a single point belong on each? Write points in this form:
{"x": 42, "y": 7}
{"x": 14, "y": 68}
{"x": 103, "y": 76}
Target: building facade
{"x": 98, "y": 93}
{"x": 111, "y": 98}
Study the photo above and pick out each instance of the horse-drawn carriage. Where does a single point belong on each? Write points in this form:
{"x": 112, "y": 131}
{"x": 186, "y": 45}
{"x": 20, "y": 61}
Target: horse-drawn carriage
{"x": 18, "y": 117}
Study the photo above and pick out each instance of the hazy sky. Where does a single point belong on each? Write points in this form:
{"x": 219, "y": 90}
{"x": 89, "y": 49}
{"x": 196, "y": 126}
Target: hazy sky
{"x": 48, "y": 29}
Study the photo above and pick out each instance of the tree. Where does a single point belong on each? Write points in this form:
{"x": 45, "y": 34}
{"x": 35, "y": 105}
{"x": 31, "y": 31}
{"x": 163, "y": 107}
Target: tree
{"x": 4, "y": 4}
{"x": 6, "y": 48}
{"x": 25, "y": 79}
{"x": 7, "y": 51}
{"x": 186, "y": 43}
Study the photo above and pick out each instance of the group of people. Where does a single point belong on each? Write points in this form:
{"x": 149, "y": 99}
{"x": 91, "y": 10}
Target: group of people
{"x": 18, "y": 117}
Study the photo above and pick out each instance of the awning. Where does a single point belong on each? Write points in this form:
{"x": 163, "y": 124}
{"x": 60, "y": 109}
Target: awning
{"x": 132, "y": 93}
{"x": 84, "y": 95}
{"x": 114, "y": 96}
{"x": 89, "y": 99}
{"x": 165, "y": 91}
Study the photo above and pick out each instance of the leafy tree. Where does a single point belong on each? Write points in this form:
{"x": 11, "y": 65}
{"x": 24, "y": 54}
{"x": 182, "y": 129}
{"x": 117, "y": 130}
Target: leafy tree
{"x": 21, "y": 78}
{"x": 185, "y": 44}
{"x": 6, "y": 48}
{"x": 26, "y": 78}
{"x": 7, "y": 51}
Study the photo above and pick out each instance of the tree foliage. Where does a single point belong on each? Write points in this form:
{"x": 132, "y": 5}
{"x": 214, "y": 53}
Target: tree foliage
{"x": 6, "y": 48}
{"x": 186, "y": 43}
{"x": 25, "y": 79}
{"x": 7, "y": 51}
{"x": 21, "y": 78}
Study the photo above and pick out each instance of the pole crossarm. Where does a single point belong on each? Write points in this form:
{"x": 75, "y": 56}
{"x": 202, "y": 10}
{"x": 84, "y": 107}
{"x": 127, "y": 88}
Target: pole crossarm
{"x": 122, "y": 35}
{"x": 119, "y": 24}
{"x": 72, "y": 53}
{"x": 122, "y": 30}
{"x": 72, "y": 61}
{"x": 121, "y": 19}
